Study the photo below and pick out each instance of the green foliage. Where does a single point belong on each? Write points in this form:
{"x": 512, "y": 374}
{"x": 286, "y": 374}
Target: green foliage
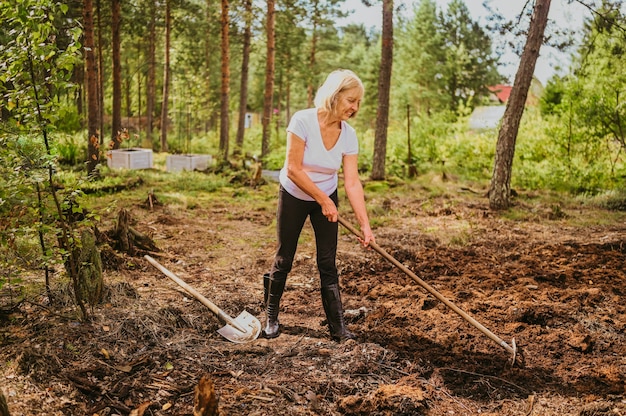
{"x": 553, "y": 96}
{"x": 590, "y": 102}
{"x": 584, "y": 117}
{"x": 37, "y": 56}
{"x": 549, "y": 156}
{"x": 23, "y": 168}
{"x": 419, "y": 58}
{"x": 443, "y": 60}
{"x": 546, "y": 157}
{"x": 32, "y": 50}
{"x": 470, "y": 65}
{"x": 68, "y": 118}
{"x": 23, "y": 163}
{"x": 70, "y": 149}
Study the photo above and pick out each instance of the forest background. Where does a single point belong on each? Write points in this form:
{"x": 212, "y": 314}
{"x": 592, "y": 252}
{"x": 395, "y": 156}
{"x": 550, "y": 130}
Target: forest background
{"x": 168, "y": 76}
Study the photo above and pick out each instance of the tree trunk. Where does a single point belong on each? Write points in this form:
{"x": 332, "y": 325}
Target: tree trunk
{"x": 127, "y": 91}
{"x": 245, "y": 62}
{"x": 225, "y": 89}
{"x": 278, "y": 108}
{"x": 287, "y": 94}
{"x": 310, "y": 88}
{"x": 116, "y": 120}
{"x": 208, "y": 73}
{"x": 166, "y": 76}
{"x": 91, "y": 79}
{"x": 384, "y": 81}
{"x": 100, "y": 71}
{"x": 151, "y": 78}
{"x": 90, "y": 280}
{"x": 139, "y": 126}
{"x": 500, "y": 189}
{"x": 269, "y": 76}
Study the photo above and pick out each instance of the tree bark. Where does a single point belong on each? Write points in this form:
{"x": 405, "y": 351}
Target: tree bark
{"x": 287, "y": 94}
{"x": 312, "y": 59}
{"x": 245, "y": 63}
{"x": 384, "y": 83}
{"x": 91, "y": 79}
{"x": 277, "y": 107}
{"x": 90, "y": 279}
{"x": 151, "y": 77}
{"x": 269, "y": 76}
{"x": 127, "y": 94}
{"x": 116, "y": 119}
{"x": 225, "y": 88}
{"x": 100, "y": 70}
{"x": 209, "y": 123}
{"x": 139, "y": 124}
{"x": 500, "y": 188}
{"x": 166, "y": 76}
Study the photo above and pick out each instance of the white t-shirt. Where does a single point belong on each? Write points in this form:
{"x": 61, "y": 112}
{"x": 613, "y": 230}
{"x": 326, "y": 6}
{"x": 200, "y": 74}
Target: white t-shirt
{"x": 319, "y": 163}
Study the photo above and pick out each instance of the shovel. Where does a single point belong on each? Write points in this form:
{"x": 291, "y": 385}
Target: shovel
{"x": 244, "y": 328}
{"x": 510, "y": 348}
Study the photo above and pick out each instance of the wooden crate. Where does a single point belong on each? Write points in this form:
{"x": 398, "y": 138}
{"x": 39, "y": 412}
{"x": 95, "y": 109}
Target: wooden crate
{"x": 133, "y": 158}
{"x": 177, "y": 163}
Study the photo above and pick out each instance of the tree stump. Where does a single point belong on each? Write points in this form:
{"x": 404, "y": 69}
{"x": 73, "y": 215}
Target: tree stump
{"x": 129, "y": 240}
{"x": 205, "y": 400}
{"x": 4, "y": 407}
{"x": 124, "y": 236}
{"x": 90, "y": 281}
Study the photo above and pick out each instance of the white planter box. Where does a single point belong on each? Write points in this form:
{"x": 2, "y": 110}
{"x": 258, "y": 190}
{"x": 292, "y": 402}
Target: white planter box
{"x": 134, "y": 158}
{"x": 176, "y": 163}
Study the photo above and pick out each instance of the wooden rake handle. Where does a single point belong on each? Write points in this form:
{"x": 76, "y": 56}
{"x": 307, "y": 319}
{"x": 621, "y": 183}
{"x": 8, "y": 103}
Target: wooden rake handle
{"x": 433, "y": 291}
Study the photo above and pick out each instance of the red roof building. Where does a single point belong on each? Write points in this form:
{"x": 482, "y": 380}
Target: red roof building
{"x": 501, "y": 92}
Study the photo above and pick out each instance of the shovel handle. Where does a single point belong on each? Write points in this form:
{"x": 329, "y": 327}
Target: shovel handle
{"x": 193, "y": 292}
{"x": 430, "y": 289}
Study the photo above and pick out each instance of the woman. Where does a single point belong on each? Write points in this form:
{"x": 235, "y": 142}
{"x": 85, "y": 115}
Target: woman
{"x": 319, "y": 142}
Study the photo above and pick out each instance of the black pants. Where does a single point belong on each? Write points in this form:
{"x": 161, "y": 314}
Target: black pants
{"x": 291, "y": 215}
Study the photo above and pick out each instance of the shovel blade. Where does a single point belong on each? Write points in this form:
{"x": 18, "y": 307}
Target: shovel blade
{"x": 246, "y": 321}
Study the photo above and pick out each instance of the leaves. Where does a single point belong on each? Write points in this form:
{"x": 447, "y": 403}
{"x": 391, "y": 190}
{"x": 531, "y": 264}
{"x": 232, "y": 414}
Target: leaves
{"x": 33, "y": 65}
{"x": 593, "y": 98}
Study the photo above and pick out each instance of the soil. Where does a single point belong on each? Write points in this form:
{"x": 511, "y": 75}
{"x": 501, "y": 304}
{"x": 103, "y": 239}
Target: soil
{"x": 551, "y": 283}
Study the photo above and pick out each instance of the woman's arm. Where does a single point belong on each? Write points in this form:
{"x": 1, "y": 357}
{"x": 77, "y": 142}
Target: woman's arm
{"x": 295, "y": 155}
{"x": 356, "y": 196}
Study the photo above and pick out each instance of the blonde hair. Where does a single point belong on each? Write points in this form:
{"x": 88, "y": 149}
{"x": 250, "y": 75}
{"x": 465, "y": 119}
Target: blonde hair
{"x": 336, "y": 82}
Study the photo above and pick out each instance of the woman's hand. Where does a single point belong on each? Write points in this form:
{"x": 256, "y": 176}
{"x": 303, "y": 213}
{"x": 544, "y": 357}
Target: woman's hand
{"x": 329, "y": 209}
{"x": 368, "y": 236}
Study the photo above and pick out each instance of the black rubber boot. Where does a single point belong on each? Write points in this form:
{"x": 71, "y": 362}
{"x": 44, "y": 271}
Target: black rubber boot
{"x": 275, "y": 292}
{"x": 331, "y": 299}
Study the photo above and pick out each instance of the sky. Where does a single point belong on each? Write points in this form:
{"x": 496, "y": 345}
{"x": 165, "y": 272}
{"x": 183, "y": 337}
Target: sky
{"x": 571, "y": 15}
